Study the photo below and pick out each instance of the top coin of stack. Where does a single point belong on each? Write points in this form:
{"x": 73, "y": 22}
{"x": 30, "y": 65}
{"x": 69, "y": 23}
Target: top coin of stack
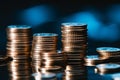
{"x": 74, "y": 46}
{"x": 19, "y": 41}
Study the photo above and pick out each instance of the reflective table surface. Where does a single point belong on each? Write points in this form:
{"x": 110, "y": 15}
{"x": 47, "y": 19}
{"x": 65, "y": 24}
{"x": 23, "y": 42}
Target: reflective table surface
{"x": 11, "y": 71}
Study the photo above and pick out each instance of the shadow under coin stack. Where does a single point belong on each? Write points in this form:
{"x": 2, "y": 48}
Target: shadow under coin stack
{"x": 44, "y": 52}
{"x": 19, "y": 41}
{"x": 74, "y": 46}
{"x": 111, "y": 54}
{"x": 19, "y": 70}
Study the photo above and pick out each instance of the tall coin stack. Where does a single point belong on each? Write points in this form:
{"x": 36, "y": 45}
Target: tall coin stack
{"x": 111, "y": 54}
{"x": 74, "y": 46}
{"x": 44, "y": 52}
{"x": 19, "y": 41}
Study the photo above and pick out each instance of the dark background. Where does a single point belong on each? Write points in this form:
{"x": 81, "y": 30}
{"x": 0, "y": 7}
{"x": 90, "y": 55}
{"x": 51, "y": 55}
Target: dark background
{"x": 47, "y": 15}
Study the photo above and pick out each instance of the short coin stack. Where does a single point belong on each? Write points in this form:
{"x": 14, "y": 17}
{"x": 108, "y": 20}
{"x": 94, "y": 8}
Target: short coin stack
{"x": 107, "y": 68}
{"x": 92, "y": 60}
{"x": 19, "y": 41}
{"x": 111, "y": 54}
{"x": 44, "y": 51}
{"x": 74, "y": 46}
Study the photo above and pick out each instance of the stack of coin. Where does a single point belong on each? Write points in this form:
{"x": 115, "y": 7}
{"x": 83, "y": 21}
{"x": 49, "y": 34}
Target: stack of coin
{"x": 112, "y": 54}
{"x": 44, "y": 51}
{"x": 19, "y": 41}
{"x": 107, "y": 68}
{"x": 74, "y": 42}
{"x": 19, "y": 70}
{"x": 92, "y": 60}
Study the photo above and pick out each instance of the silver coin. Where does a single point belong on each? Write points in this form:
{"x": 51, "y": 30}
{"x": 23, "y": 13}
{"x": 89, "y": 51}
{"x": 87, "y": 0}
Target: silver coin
{"x": 73, "y": 24}
{"x": 45, "y": 34}
{"x": 108, "y": 66}
{"x": 19, "y": 26}
{"x": 108, "y": 49}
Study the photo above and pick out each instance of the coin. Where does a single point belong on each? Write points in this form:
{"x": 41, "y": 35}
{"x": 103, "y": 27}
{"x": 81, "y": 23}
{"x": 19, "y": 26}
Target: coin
{"x": 72, "y": 25}
{"x": 19, "y": 28}
{"x": 111, "y": 54}
{"x": 107, "y": 68}
{"x": 108, "y": 49}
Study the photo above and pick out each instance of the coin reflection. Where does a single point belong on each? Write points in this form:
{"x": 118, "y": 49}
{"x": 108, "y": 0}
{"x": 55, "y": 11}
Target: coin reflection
{"x": 19, "y": 70}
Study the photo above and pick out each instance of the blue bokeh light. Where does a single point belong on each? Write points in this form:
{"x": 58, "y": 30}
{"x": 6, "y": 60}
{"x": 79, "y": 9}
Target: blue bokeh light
{"x": 114, "y": 13}
{"x": 37, "y": 15}
{"x": 89, "y": 19}
{"x": 97, "y": 30}
{"x": 109, "y": 32}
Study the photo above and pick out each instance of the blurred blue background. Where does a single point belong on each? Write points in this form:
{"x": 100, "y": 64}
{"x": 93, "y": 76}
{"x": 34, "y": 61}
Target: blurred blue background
{"x": 102, "y": 17}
